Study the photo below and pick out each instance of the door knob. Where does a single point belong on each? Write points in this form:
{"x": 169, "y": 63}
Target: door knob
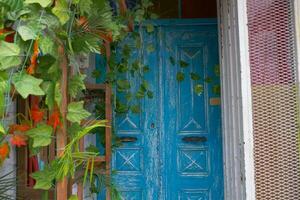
{"x": 194, "y": 139}
{"x": 128, "y": 139}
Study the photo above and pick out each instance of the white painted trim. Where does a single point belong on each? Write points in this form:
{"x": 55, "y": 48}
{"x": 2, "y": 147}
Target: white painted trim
{"x": 238, "y": 146}
{"x": 297, "y": 35}
{"x": 246, "y": 99}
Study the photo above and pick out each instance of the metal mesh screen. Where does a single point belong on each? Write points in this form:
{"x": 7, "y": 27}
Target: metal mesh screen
{"x": 275, "y": 99}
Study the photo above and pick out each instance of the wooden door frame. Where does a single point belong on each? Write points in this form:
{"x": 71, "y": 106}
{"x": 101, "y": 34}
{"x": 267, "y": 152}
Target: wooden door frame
{"x": 237, "y": 123}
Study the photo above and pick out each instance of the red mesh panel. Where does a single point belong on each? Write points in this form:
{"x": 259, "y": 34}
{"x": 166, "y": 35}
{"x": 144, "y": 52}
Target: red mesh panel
{"x": 275, "y": 99}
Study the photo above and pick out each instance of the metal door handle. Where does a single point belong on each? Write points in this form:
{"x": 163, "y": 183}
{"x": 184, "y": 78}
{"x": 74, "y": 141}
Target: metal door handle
{"x": 128, "y": 139}
{"x": 194, "y": 139}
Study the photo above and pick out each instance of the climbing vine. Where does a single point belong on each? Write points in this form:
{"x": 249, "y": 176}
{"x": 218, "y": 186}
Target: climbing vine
{"x": 40, "y": 42}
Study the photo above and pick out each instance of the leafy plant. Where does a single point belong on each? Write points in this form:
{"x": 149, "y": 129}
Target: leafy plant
{"x": 7, "y": 185}
{"x": 40, "y": 41}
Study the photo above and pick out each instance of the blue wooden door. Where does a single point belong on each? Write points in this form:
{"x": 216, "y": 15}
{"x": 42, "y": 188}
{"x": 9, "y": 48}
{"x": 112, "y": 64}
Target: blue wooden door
{"x": 175, "y": 150}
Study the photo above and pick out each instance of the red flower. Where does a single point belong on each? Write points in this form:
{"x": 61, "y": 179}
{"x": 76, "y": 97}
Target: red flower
{"x": 9, "y": 37}
{"x": 18, "y": 140}
{"x": 18, "y": 127}
{"x": 4, "y": 151}
{"x": 54, "y": 119}
{"x": 37, "y": 115}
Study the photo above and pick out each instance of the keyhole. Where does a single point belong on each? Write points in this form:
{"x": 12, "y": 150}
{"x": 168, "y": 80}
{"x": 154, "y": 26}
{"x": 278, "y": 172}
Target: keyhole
{"x": 152, "y": 125}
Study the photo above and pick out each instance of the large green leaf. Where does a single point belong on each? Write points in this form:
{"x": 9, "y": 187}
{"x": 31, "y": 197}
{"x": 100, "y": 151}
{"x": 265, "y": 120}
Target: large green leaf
{"x": 43, "y": 3}
{"x": 76, "y": 112}
{"x": 76, "y": 84}
{"x": 47, "y": 46}
{"x": 61, "y": 10}
{"x": 44, "y": 178}
{"x": 26, "y": 84}
{"x": 41, "y": 135}
{"x": 9, "y": 55}
{"x": 28, "y": 32}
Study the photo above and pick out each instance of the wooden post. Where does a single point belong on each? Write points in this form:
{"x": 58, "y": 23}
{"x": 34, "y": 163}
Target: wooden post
{"x": 108, "y": 116}
{"x": 61, "y": 136}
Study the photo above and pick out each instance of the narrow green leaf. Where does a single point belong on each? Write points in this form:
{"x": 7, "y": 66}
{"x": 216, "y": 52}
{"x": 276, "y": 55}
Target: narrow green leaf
{"x": 86, "y": 172}
{"x": 76, "y": 112}
{"x": 85, "y": 6}
{"x": 26, "y": 85}
{"x": 2, "y": 130}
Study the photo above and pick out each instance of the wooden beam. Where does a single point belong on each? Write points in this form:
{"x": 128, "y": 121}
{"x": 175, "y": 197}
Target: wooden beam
{"x": 61, "y": 136}
{"x": 108, "y": 116}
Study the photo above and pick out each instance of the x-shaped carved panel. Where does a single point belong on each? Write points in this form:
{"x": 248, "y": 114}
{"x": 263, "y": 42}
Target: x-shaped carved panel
{"x": 128, "y": 160}
{"x": 193, "y": 161}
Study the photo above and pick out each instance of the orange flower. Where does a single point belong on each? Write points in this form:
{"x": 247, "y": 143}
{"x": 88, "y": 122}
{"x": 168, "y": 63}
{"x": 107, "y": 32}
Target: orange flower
{"x": 18, "y": 140}
{"x": 4, "y": 151}
{"x": 33, "y": 60}
{"x": 54, "y": 119}
{"x": 37, "y": 115}
{"x": 18, "y": 127}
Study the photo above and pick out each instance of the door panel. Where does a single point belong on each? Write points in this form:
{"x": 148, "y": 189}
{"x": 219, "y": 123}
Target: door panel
{"x": 178, "y": 149}
{"x": 192, "y": 126}
{"x": 136, "y": 163}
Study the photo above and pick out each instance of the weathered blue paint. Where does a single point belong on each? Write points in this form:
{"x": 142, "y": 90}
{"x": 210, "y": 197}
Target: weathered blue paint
{"x": 163, "y": 164}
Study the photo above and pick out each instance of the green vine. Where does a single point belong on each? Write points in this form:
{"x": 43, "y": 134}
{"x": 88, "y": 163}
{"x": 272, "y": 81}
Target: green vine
{"x": 39, "y": 39}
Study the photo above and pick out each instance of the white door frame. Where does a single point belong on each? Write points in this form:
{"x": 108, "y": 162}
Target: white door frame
{"x": 296, "y": 5}
{"x": 238, "y": 141}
